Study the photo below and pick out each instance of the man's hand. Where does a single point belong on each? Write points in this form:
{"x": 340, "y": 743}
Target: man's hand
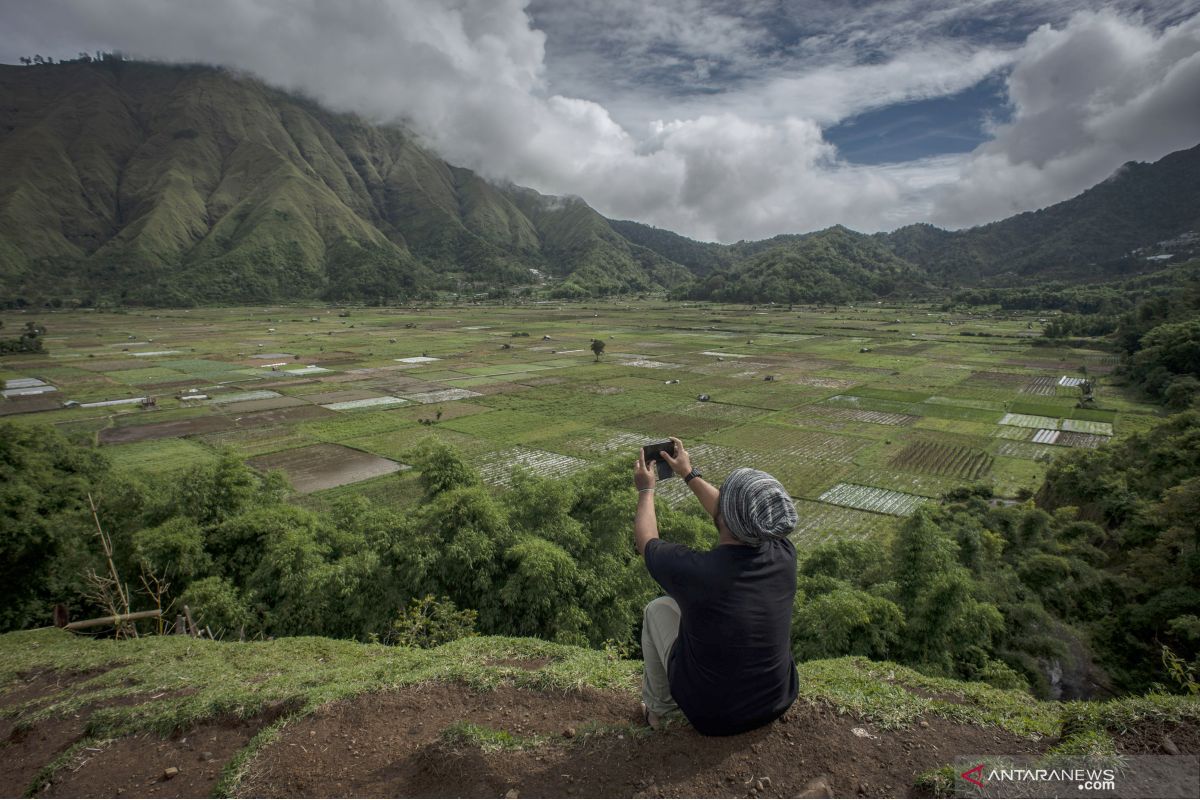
{"x": 644, "y": 475}
{"x": 681, "y": 462}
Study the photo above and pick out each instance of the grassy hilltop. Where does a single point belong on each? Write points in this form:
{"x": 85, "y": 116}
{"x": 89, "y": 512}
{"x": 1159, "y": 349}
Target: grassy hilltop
{"x": 483, "y": 716}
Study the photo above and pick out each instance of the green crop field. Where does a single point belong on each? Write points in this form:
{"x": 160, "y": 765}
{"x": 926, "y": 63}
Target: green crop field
{"x": 862, "y": 417}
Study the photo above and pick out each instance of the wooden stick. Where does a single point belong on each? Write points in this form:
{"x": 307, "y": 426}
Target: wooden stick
{"x": 187, "y": 612}
{"x": 180, "y": 625}
{"x": 108, "y": 554}
{"x": 114, "y": 620}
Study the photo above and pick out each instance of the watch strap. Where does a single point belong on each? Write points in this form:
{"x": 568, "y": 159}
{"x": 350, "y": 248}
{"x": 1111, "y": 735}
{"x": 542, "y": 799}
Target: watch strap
{"x": 695, "y": 473}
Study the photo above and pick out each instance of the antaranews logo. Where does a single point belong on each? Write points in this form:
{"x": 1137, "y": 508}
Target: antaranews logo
{"x": 1085, "y": 779}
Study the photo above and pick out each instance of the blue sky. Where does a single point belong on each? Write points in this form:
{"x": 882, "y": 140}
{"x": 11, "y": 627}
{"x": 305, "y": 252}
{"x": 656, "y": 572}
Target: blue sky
{"x": 921, "y": 129}
{"x": 721, "y": 120}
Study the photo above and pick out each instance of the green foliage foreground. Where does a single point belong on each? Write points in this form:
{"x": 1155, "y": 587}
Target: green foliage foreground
{"x": 551, "y": 559}
{"x": 1104, "y": 568}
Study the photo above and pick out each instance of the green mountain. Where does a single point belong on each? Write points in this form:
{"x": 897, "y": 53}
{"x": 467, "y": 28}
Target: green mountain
{"x": 149, "y": 183}
{"x": 152, "y": 183}
{"x": 1089, "y": 236}
{"x": 836, "y": 265}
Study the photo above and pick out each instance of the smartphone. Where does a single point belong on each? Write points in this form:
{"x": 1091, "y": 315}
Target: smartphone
{"x": 651, "y": 452}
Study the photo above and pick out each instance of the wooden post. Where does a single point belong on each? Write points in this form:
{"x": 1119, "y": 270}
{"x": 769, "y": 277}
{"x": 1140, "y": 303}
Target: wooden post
{"x": 187, "y": 612}
{"x": 180, "y": 625}
{"x": 114, "y": 620}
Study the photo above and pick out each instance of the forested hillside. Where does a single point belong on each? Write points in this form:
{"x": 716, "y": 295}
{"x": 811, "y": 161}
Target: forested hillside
{"x": 138, "y": 183}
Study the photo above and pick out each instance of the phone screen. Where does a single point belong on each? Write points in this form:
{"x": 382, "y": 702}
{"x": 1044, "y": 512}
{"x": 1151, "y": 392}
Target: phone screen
{"x": 652, "y": 451}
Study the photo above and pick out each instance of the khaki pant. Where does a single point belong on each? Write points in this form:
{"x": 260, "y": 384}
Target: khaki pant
{"x": 660, "y": 628}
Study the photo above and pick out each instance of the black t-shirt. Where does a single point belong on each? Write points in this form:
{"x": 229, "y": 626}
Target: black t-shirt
{"x": 731, "y": 669}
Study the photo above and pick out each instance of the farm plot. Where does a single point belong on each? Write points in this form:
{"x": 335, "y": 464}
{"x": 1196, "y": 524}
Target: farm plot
{"x": 662, "y": 425}
{"x": 323, "y": 466}
{"x": 160, "y": 455}
{"x": 1043, "y": 386}
{"x": 1086, "y": 440}
{"x": 796, "y": 443}
{"x": 514, "y": 427}
{"x": 818, "y": 382}
{"x": 870, "y": 404}
{"x": 1026, "y": 450}
{"x": 368, "y": 402}
{"x": 801, "y": 478}
{"x": 1044, "y": 436}
{"x": 24, "y": 405}
{"x": 441, "y": 396}
{"x": 1088, "y": 426}
{"x": 598, "y": 443}
{"x": 148, "y": 376}
{"x": 870, "y": 498}
{"x": 401, "y": 444}
{"x": 821, "y": 522}
{"x": 921, "y": 483}
{"x": 944, "y": 459}
{"x": 255, "y": 441}
{"x": 966, "y": 413}
{"x": 863, "y": 415}
{"x": 775, "y": 396}
{"x": 720, "y": 411}
{"x": 340, "y": 427}
{"x": 268, "y": 404}
{"x": 647, "y": 363}
{"x": 1029, "y": 421}
{"x": 239, "y": 397}
{"x": 164, "y": 430}
{"x": 497, "y": 468}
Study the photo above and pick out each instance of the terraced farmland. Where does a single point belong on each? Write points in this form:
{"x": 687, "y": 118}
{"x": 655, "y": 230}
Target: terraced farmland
{"x": 942, "y": 459}
{"x": 863, "y": 418}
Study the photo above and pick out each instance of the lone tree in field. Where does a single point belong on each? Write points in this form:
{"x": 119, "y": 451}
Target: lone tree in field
{"x": 598, "y": 348}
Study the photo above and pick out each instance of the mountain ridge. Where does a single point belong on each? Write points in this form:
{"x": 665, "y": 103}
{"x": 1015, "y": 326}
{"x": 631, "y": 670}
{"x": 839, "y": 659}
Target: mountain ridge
{"x": 136, "y": 182}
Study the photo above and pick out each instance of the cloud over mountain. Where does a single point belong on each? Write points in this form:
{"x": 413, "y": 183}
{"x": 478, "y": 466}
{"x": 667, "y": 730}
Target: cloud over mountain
{"x": 711, "y": 119}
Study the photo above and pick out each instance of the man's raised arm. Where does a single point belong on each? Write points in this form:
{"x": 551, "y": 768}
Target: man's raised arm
{"x": 645, "y": 522}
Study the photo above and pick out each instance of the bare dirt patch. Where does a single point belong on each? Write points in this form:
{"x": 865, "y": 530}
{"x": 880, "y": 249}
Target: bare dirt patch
{"x": 591, "y": 744}
{"x": 266, "y": 404}
{"x": 42, "y": 683}
{"x": 323, "y": 466}
{"x": 25, "y": 749}
{"x": 30, "y": 404}
{"x": 165, "y": 430}
{"x": 1155, "y": 737}
{"x": 210, "y": 424}
{"x": 136, "y": 766}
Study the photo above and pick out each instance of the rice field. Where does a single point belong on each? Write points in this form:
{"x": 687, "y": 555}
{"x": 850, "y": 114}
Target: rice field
{"x": 873, "y": 499}
{"x": 862, "y": 418}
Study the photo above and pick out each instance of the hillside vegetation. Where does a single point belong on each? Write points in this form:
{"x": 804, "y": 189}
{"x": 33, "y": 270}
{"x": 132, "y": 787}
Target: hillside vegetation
{"x": 484, "y": 715}
{"x": 141, "y": 183}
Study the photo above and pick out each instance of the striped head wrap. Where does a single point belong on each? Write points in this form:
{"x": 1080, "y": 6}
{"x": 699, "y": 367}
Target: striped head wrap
{"x": 756, "y": 507}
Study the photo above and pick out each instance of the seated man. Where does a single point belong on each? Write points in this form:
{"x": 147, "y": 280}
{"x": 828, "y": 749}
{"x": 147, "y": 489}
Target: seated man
{"x": 718, "y": 647}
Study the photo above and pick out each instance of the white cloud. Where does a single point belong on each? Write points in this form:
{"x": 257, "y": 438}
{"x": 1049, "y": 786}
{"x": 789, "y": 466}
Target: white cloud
{"x": 1086, "y": 98}
{"x": 745, "y": 158}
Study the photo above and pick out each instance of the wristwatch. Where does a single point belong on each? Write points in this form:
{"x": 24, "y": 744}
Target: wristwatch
{"x": 695, "y": 473}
